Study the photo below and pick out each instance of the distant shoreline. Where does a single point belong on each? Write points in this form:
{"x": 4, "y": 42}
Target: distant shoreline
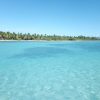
{"x": 8, "y": 36}
{"x": 45, "y": 40}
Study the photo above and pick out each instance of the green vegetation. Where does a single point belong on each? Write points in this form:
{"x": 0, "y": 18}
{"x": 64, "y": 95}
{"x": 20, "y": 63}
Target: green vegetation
{"x": 28, "y": 36}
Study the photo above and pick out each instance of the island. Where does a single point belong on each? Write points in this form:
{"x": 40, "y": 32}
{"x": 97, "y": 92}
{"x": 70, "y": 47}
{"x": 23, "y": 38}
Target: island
{"x": 28, "y": 36}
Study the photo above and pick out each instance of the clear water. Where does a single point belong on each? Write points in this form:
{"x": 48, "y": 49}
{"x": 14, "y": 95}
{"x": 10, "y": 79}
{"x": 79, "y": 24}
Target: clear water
{"x": 50, "y": 70}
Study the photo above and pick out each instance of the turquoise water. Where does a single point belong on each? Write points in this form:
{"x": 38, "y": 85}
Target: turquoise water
{"x": 50, "y": 70}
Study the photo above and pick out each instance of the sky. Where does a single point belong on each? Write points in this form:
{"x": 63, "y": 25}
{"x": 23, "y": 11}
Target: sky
{"x": 61, "y": 17}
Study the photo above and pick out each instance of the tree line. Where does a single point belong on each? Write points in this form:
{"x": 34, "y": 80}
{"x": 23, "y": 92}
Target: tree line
{"x": 28, "y": 36}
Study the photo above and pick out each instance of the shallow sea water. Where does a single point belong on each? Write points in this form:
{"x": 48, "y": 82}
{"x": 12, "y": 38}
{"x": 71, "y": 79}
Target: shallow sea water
{"x": 50, "y": 70}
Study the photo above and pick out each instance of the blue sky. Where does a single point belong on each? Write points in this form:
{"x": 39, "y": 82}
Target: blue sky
{"x": 63, "y": 17}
